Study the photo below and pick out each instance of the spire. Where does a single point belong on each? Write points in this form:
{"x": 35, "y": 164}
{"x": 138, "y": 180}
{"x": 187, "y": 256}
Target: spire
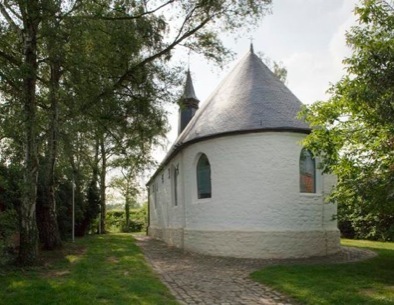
{"x": 251, "y": 48}
{"x": 189, "y": 89}
{"x": 188, "y": 105}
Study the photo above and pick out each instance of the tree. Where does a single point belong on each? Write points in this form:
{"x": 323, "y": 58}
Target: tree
{"x": 354, "y": 130}
{"x": 277, "y": 68}
{"x": 128, "y": 188}
{"x": 24, "y": 25}
{"x": 126, "y": 49}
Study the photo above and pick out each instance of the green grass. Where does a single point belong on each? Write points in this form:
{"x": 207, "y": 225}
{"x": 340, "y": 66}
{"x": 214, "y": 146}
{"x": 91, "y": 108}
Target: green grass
{"x": 370, "y": 282}
{"x": 106, "y": 269}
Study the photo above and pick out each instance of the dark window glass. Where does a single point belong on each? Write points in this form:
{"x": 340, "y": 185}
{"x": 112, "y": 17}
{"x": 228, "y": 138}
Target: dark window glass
{"x": 204, "y": 188}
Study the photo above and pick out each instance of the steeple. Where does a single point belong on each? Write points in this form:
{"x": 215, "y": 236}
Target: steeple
{"x": 189, "y": 89}
{"x": 188, "y": 105}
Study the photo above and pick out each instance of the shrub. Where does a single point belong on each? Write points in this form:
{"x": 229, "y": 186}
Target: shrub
{"x": 359, "y": 222}
{"x": 116, "y": 220}
{"x": 8, "y": 235}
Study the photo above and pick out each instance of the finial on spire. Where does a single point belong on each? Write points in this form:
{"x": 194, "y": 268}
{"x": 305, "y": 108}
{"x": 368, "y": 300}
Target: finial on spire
{"x": 251, "y": 44}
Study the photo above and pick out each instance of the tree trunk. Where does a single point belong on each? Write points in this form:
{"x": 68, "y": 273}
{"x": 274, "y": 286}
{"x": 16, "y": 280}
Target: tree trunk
{"x": 28, "y": 228}
{"x": 127, "y": 212}
{"x": 47, "y": 218}
{"x": 47, "y": 225}
{"x": 103, "y": 174}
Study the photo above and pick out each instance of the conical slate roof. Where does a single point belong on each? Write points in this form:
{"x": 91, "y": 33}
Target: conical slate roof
{"x": 251, "y": 98}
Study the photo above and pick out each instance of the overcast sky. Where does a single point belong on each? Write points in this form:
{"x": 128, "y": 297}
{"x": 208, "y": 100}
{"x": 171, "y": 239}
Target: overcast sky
{"x": 307, "y": 36}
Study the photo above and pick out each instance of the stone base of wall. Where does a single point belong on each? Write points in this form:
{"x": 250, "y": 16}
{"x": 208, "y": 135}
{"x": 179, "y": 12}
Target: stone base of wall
{"x": 253, "y": 244}
{"x": 173, "y": 237}
{"x": 265, "y": 245}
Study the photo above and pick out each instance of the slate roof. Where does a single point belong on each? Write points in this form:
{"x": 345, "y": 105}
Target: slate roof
{"x": 189, "y": 88}
{"x": 250, "y": 98}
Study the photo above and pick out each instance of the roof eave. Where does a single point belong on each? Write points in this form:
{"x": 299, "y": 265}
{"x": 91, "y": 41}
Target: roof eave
{"x": 178, "y": 146}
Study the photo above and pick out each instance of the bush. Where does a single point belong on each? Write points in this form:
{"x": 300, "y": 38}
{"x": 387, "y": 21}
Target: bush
{"x": 8, "y": 235}
{"x": 134, "y": 226}
{"x": 116, "y": 220}
{"x": 359, "y": 222}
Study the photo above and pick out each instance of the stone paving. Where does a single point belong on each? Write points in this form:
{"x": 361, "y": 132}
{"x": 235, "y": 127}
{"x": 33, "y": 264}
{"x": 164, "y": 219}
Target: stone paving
{"x": 196, "y": 279}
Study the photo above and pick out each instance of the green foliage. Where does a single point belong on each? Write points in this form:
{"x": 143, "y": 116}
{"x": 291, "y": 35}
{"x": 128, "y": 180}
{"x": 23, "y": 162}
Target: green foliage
{"x": 9, "y": 218}
{"x": 96, "y": 269}
{"x": 83, "y": 84}
{"x": 369, "y": 282}
{"x": 355, "y": 222}
{"x": 10, "y": 179}
{"x": 64, "y": 208}
{"x": 92, "y": 203}
{"x": 8, "y": 235}
{"x": 116, "y": 220}
{"x": 354, "y": 130}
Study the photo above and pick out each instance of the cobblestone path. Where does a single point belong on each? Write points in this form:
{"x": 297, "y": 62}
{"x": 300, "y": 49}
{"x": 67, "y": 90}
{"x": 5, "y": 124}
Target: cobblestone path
{"x": 207, "y": 280}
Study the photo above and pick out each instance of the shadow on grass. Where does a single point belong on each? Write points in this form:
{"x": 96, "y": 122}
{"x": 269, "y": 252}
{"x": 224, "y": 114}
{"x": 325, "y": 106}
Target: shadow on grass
{"x": 108, "y": 269}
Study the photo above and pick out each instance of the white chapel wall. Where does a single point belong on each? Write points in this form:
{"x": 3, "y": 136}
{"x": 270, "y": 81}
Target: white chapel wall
{"x": 256, "y": 209}
{"x": 256, "y": 199}
{"x": 166, "y": 217}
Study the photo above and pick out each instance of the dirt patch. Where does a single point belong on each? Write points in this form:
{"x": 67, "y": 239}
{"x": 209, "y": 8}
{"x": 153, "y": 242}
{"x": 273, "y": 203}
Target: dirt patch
{"x": 57, "y": 274}
{"x": 112, "y": 259}
{"x": 374, "y": 292}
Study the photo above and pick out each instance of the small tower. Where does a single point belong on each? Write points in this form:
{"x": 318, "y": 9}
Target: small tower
{"x": 188, "y": 105}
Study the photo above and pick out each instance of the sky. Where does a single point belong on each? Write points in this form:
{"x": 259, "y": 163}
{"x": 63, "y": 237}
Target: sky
{"x": 307, "y": 36}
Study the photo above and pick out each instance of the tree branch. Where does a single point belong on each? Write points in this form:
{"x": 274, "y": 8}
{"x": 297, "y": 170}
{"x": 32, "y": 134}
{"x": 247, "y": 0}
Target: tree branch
{"x": 12, "y": 11}
{"x": 131, "y": 17}
{"x": 10, "y": 58}
{"x": 147, "y": 60}
{"x": 12, "y": 23}
{"x": 10, "y": 82}
{"x": 77, "y": 4}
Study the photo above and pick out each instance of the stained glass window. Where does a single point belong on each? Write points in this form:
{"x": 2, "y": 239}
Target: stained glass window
{"x": 307, "y": 172}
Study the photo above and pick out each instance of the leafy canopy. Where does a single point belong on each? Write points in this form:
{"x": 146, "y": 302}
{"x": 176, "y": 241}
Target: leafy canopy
{"x": 354, "y": 130}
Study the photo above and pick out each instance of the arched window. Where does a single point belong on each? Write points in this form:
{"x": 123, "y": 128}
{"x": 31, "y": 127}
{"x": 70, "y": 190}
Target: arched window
{"x": 307, "y": 172}
{"x": 204, "y": 189}
{"x": 175, "y": 175}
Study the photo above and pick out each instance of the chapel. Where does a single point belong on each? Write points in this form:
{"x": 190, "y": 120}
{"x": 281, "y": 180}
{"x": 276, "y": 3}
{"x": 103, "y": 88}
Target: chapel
{"x": 237, "y": 182}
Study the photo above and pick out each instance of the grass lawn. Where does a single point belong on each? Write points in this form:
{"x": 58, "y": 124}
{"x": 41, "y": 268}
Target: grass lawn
{"x": 101, "y": 269}
{"x": 369, "y": 282}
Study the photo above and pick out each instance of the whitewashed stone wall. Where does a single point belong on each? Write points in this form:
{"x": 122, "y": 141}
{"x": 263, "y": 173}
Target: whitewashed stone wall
{"x": 167, "y": 219}
{"x": 256, "y": 209}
